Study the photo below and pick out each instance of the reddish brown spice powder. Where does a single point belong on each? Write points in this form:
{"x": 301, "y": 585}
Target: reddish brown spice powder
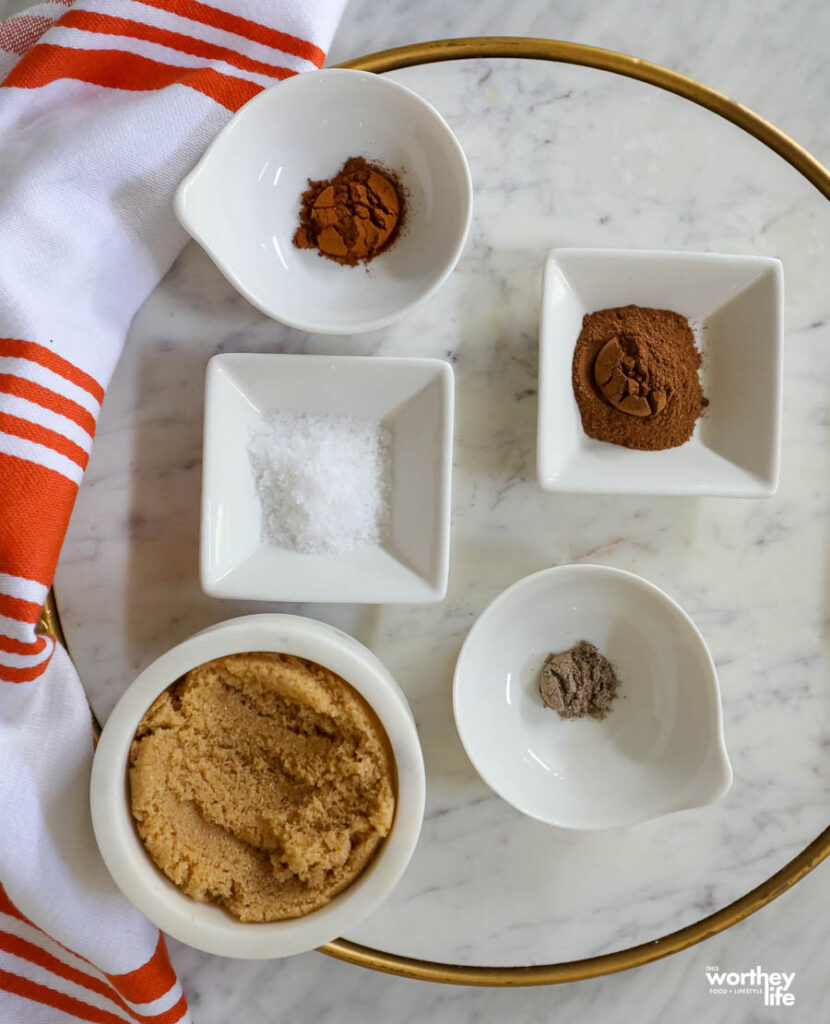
{"x": 355, "y": 216}
{"x": 635, "y": 377}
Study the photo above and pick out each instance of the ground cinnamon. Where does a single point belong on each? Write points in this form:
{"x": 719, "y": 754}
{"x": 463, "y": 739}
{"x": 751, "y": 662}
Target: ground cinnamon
{"x": 635, "y": 377}
{"x": 355, "y": 216}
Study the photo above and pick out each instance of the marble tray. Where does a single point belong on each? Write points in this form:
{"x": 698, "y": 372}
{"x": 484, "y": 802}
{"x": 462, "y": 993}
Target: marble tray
{"x": 560, "y": 156}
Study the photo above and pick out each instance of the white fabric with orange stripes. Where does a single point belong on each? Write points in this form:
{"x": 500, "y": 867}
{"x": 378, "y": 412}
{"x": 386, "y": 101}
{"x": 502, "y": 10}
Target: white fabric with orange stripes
{"x": 104, "y": 106}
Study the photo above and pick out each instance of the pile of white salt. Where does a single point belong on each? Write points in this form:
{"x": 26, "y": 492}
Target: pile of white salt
{"x": 323, "y": 481}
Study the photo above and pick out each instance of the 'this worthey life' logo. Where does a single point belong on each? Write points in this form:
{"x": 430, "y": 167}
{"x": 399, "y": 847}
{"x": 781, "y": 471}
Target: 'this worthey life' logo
{"x": 774, "y": 986}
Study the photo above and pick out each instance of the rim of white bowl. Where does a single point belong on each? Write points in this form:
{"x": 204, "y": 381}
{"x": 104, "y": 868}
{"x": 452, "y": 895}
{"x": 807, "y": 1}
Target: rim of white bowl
{"x": 205, "y": 926}
{"x": 303, "y": 80}
{"x": 580, "y": 568}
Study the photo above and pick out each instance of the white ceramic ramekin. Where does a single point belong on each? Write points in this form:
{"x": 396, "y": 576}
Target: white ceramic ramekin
{"x": 205, "y": 926}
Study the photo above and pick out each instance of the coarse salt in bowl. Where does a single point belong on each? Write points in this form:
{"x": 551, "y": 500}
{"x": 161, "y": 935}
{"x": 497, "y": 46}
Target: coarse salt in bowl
{"x": 409, "y": 400}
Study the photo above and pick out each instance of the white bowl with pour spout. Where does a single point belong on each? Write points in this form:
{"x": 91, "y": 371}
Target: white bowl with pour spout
{"x": 241, "y": 201}
{"x": 660, "y": 749}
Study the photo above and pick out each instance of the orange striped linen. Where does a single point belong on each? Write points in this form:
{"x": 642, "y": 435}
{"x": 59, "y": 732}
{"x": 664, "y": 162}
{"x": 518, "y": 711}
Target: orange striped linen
{"x": 104, "y": 106}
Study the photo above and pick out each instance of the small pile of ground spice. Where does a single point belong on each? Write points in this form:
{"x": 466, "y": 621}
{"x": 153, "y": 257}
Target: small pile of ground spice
{"x": 355, "y": 216}
{"x": 635, "y": 377}
{"x": 578, "y": 682}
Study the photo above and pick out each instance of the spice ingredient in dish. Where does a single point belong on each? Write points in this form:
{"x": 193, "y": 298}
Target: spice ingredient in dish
{"x": 323, "y": 481}
{"x": 354, "y": 217}
{"x": 636, "y": 377}
{"x": 262, "y": 783}
{"x": 578, "y": 682}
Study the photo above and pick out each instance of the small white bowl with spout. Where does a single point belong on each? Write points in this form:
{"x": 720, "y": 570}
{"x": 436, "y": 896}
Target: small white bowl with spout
{"x": 241, "y": 202}
{"x": 659, "y": 749}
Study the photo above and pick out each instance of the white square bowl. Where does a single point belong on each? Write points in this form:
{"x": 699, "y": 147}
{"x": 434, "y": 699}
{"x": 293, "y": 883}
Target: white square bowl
{"x": 735, "y": 307}
{"x": 412, "y": 398}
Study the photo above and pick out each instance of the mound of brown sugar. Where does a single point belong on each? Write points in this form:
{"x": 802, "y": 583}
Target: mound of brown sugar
{"x": 262, "y": 783}
{"x": 355, "y": 216}
{"x": 635, "y": 377}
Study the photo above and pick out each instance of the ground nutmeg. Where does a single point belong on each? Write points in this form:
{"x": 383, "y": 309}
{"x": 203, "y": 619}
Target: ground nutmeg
{"x": 578, "y": 682}
{"x": 353, "y": 217}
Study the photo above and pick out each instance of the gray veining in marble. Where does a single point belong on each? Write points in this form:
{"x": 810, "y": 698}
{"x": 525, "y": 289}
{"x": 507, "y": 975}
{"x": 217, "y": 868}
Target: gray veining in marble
{"x": 559, "y": 156}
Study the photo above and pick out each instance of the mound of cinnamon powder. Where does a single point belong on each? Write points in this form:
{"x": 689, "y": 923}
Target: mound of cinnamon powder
{"x": 635, "y": 377}
{"x": 355, "y": 216}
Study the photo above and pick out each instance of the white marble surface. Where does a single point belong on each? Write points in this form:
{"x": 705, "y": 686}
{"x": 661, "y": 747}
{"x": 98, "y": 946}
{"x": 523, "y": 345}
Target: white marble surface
{"x": 560, "y": 156}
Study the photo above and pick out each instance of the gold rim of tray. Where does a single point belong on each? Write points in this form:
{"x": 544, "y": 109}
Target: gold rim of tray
{"x": 799, "y": 866}
{"x": 814, "y": 172}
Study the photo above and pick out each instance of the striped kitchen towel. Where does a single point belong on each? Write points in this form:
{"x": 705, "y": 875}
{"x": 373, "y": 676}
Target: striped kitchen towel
{"x": 104, "y": 106}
